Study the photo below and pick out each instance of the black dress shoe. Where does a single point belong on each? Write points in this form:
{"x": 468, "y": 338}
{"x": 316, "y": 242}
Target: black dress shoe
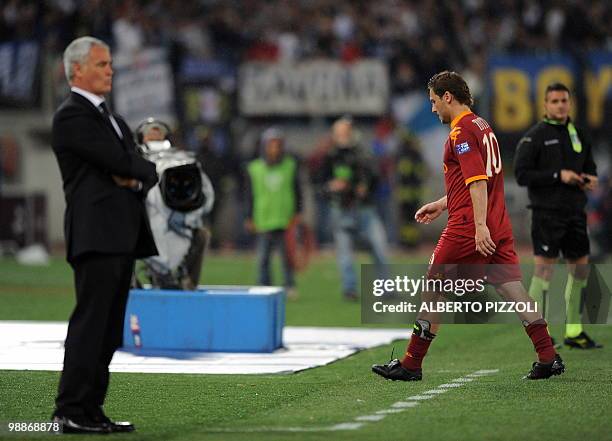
{"x": 114, "y": 426}
{"x": 81, "y": 425}
{"x": 121, "y": 426}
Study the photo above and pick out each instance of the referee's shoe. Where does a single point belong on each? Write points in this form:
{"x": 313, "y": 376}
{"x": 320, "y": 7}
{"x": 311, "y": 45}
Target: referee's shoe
{"x": 581, "y": 341}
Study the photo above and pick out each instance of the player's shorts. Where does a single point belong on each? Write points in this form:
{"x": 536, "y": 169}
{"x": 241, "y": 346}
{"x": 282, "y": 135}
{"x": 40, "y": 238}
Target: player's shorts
{"x": 557, "y": 231}
{"x": 455, "y": 256}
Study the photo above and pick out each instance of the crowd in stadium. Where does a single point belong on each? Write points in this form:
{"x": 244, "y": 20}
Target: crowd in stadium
{"x": 430, "y": 34}
{"x": 417, "y": 38}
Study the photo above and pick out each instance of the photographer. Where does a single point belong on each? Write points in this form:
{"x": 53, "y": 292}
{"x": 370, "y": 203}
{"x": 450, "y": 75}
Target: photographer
{"x": 350, "y": 181}
{"x": 175, "y": 207}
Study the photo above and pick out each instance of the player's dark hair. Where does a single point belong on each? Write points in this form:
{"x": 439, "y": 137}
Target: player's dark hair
{"x": 556, "y": 87}
{"x": 453, "y": 83}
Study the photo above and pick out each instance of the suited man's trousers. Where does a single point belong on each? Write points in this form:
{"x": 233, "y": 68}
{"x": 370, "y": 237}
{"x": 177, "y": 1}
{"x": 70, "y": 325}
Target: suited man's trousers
{"x": 95, "y": 331}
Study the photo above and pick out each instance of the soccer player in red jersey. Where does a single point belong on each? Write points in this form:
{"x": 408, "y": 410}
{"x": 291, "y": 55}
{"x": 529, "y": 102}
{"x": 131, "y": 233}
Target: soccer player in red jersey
{"x": 478, "y": 229}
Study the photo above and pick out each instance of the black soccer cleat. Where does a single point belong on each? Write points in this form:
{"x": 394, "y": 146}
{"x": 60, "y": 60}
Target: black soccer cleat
{"x": 542, "y": 371}
{"x": 581, "y": 341}
{"x": 395, "y": 371}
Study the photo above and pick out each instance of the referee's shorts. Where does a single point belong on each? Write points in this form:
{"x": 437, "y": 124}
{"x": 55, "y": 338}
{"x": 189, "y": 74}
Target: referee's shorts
{"x": 559, "y": 231}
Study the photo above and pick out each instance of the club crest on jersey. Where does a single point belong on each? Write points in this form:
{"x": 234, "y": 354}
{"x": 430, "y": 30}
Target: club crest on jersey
{"x": 454, "y": 134}
{"x": 462, "y": 148}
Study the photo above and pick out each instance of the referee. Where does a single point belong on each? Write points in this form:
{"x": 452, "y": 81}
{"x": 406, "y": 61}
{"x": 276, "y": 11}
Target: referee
{"x": 554, "y": 160}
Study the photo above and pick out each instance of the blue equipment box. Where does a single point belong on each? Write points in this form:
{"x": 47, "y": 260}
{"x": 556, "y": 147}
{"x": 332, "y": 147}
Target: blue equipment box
{"x": 211, "y": 319}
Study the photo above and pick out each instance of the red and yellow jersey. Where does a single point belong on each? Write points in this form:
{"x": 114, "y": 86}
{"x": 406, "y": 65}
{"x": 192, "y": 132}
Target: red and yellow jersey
{"x": 471, "y": 153}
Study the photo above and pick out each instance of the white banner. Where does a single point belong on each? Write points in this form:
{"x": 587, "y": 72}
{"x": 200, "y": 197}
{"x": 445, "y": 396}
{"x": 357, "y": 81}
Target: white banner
{"x": 143, "y": 87}
{"x": 314, "y": 88}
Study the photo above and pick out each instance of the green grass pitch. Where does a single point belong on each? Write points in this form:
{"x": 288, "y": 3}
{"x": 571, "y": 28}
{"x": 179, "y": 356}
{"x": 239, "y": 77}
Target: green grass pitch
{"x": 574, "y": 406}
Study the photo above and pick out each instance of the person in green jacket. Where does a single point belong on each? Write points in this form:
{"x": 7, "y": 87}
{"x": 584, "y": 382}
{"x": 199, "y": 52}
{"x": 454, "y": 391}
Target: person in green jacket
{"x": 274, "y": 200}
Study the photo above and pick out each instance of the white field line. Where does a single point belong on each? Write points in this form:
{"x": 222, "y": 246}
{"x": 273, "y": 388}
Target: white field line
{"x": 435, "y": 391}
{"x": 404, "y": 404}
{"x": 387, "y": 411}
{"x": 360, "y": 421}
{"x": 420, "y": 397}
{"x": 462, "y": 380}
{"x": 375, "y": 417}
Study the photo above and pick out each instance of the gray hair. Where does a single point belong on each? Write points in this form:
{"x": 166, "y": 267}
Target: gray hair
{"x": 77, "y": 53}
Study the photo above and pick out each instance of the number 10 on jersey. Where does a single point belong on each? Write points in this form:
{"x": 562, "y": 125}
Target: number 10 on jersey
{"x": 494, "y": 163}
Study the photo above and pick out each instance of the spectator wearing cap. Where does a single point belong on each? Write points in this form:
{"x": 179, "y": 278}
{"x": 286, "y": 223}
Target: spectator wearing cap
{"x": 274, "y": 200}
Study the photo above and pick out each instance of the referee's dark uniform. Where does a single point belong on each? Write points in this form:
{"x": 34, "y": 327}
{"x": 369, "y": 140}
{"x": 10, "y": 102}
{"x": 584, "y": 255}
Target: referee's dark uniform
{"x": 559, "y": 217}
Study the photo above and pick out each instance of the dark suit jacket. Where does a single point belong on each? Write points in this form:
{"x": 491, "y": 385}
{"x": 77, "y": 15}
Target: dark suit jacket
{"x": 100, "y": 216}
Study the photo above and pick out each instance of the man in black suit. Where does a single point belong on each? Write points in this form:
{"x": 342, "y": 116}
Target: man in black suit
{"x": 106, "y": 229}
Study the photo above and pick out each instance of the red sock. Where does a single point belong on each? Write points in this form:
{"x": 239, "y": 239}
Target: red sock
{"x": 416, "y": 351}
{"x": 538, "y": 333}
